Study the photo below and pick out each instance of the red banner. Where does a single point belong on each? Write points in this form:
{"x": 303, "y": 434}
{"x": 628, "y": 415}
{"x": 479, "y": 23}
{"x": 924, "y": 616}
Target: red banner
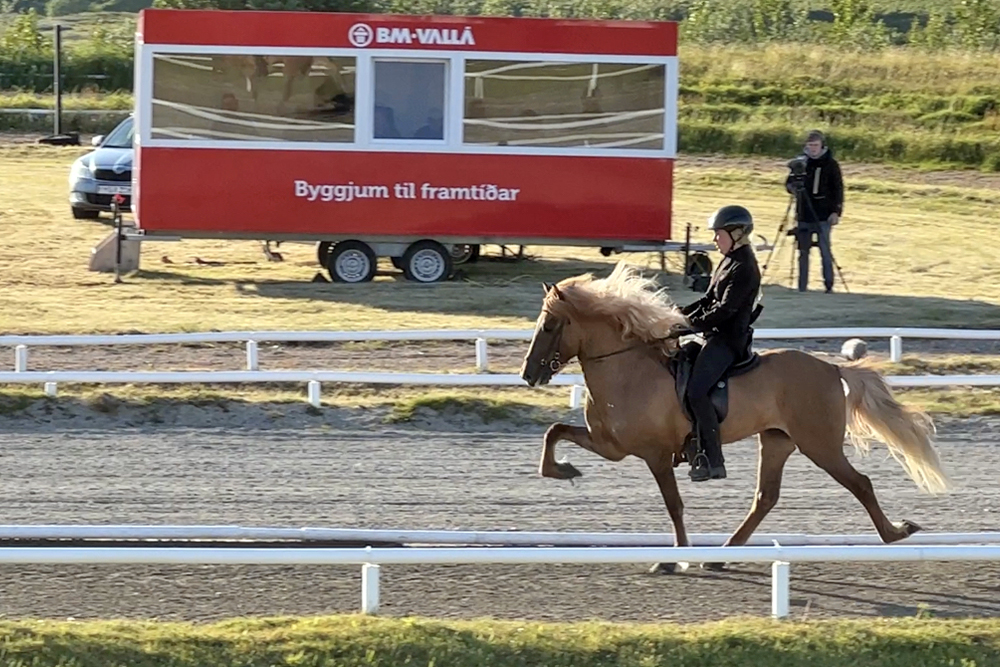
{"x": 369, "y": 31}
{"x": 266, "y": 192}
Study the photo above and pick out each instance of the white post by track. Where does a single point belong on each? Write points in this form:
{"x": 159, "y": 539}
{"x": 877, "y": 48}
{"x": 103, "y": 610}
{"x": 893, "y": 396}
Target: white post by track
{"x": 314, "y": 395}
{"x": 253, "y": 363}
{"x": 895, "y": 348}
{"x": 482, "y": 355}
{"x": 21, "y": 359}
{"x": 780, "y": 589}
{"x": 51, "y": 389}
{"x": 369, "y": 588}
{"x": 576, "y": 397}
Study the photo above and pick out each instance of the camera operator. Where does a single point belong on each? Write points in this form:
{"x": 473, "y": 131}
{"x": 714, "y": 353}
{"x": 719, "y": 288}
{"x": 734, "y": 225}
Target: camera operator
{"x": 818, "y": 186}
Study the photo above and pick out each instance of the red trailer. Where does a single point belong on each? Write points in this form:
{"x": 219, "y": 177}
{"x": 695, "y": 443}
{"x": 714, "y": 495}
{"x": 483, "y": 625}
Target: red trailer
{"x": 404, "y": 136}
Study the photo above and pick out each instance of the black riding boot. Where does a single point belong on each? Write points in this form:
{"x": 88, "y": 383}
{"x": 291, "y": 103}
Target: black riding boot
{"x": 708, "y": 462}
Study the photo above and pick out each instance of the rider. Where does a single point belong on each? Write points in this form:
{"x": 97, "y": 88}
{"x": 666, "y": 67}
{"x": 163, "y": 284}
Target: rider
{"x": 723, "y": 316}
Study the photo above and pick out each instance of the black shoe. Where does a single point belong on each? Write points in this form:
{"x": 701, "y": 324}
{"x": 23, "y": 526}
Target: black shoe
{"x": 701, "y": 471}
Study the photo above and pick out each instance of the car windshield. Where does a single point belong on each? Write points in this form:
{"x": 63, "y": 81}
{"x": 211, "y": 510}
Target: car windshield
{"x": 121, "y": 136}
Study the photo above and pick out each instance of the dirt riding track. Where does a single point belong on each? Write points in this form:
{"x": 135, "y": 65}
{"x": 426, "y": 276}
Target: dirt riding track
{"x": 347, "y": 470}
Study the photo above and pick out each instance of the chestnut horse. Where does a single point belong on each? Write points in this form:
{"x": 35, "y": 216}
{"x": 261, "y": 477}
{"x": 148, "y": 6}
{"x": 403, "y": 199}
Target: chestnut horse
{"x": 618, "y": 329}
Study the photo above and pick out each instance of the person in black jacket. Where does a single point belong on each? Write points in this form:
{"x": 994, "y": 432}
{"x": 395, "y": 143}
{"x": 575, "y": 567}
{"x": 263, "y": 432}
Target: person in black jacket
{"x": 723, "y": 316}
{"x": 819, "y": 194}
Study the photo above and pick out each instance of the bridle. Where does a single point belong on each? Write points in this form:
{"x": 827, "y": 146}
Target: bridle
{"x": 555, "y": 364}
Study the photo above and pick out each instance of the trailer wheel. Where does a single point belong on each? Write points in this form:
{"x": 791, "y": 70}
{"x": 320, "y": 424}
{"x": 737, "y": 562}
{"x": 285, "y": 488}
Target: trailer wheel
{"x": 464, "y": 252}
{"x": 351, "y": 262}
{"x": 427, "y": 262}
{"x": 323, "y": 251}
{"x": 698, "y": 272}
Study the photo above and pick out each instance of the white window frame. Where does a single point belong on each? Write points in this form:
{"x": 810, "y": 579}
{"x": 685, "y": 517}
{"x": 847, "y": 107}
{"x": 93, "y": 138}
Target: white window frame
{"x": 448, "y": 130}
{"x": 453, "y": 111}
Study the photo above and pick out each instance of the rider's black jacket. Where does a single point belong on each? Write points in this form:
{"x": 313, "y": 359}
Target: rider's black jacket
{"x": 727, "y": 308}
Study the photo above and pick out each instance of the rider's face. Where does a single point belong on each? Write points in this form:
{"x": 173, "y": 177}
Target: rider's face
{"x": 814, "y": 148}
{"x": 723, "y": 241}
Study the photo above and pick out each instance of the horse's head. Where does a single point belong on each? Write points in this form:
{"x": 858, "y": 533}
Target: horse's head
{"x": 555, "y": 341}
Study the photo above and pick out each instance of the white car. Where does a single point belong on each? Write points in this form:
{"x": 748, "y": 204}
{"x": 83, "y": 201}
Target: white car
{"x": 101, "y": 174}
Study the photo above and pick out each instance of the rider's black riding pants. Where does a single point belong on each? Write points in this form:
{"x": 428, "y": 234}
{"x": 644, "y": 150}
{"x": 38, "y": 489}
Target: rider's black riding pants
{"x": 713, "y": 360}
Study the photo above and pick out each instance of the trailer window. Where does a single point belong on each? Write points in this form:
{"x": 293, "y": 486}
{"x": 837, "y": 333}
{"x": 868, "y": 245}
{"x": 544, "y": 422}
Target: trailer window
{"x": 409, "y": 100}
{"x": 595, "y": 105}
{"x": 253, "y": 98}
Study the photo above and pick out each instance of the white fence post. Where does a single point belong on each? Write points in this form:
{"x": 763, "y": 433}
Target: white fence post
{"x": 482, "y": 356}
{"x": 369, "y": 588}
{"x": 20, "y": 358}
{"x": 314, "y": 397}
{"x": 780, "y": 589}
{"x": 50, "y": 389}
{"x": 576, "y": 397}
{"x": 252, "y": 361}
{"x": 896, "y": 348}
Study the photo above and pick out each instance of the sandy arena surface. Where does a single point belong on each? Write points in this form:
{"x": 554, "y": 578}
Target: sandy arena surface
{"x": 348, "y": 469}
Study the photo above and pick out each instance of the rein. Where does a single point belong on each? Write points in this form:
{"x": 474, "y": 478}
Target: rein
{"x": 636, "y": 346}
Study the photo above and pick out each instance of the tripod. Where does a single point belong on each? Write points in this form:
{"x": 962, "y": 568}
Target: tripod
{"x": 779, "y": 237}
{"x": 799, "y": 192}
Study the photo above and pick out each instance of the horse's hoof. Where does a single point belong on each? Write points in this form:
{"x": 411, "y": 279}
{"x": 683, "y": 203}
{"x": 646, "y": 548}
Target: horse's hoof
{"x": 714, "y": 567}
{"x": 566, "y": 470}
{"x": 668, "y": 568}
{"x": 909, "y": 528}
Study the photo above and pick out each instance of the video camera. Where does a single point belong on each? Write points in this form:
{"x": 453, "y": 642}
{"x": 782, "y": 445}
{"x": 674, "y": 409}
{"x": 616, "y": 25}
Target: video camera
{"x": 797, "y": 166}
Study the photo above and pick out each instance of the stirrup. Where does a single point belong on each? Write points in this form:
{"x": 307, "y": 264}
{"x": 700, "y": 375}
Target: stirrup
{"x": 700, "y": 468}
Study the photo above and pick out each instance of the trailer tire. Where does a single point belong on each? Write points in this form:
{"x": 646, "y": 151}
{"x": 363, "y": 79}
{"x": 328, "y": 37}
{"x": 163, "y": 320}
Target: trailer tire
{"x": 462, "y": 253}
{"x": 323, "y": 252}
{"x": 351, "y": 262}
{"x": 427, "y": 262}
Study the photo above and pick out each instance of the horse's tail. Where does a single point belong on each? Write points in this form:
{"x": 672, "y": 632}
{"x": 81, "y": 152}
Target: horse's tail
{"x": 873, "y": 413}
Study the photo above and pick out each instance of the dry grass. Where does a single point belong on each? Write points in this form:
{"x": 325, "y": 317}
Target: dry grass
{"x": 911, "y": 254}
{"x": 791, "y": 65}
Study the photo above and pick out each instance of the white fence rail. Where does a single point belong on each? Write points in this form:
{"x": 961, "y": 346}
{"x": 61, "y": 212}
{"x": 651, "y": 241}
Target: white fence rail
{"x": 50, "y": 379}
{"x": 456, "y": 537}
{"x": 894, "y": 334}
{"x": 372, "y": 558}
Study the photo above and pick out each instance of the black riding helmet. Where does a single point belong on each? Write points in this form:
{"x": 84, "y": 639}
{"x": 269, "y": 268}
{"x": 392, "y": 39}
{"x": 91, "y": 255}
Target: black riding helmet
{"x": 730, "y": 218}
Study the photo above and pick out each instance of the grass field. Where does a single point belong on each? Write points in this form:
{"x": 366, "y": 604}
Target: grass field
{"x": 911, "y": 254}
{"x": 347, "y": 641}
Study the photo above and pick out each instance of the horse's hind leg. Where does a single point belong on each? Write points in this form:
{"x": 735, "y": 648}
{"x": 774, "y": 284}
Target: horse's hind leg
{"x": 549, "y": 467}
{"x": 774, "y": 448}
{"x": 828, "y": 454}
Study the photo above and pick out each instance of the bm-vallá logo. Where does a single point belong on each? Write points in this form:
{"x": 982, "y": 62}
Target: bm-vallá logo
{"x": 362, "y": 35}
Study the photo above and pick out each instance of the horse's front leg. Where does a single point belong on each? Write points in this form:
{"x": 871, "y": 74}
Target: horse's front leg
{"x": 580, "y": 435}
{"x": 663, "y": 472}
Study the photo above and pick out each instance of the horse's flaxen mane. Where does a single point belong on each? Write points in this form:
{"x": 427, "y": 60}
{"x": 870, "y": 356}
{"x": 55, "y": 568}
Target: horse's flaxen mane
{"x": 643, "y": 310}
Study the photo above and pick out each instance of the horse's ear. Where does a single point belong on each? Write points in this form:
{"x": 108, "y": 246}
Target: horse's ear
{"x": 546, "y": 287}
{"x": 556, "y": 291}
